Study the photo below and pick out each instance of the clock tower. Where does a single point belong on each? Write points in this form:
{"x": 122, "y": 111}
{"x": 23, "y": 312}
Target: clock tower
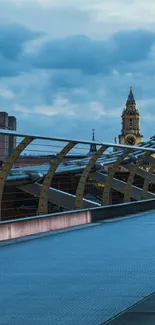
{"x": 130, "y": 133}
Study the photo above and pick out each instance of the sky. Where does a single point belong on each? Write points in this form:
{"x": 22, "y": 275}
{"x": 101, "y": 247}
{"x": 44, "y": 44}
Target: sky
{"x": 66, "y": 66}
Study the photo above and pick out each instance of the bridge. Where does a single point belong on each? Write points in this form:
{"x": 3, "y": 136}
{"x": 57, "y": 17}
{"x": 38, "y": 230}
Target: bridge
{"x": 37, "y": 180}
{"x": 90, "y": 262}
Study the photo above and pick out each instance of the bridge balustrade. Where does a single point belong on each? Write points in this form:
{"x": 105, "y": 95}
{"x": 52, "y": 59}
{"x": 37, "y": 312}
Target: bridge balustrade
{"x": 41, "y": 175}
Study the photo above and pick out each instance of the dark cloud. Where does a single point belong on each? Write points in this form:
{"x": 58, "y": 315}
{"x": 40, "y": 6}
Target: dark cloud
{"x": 72, "y": 53}
{"x": 7, "y": 68}
{"x": 133, "y": 46}
{"x": 79, "y": 70}
{"x": 12, "y": 39}
{"x": 94, "y": 57}
{"x": 69, "y": 57}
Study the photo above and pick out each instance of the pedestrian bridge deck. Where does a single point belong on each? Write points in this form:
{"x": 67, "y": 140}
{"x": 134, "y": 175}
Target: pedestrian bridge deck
{"x": 81, "y": 277}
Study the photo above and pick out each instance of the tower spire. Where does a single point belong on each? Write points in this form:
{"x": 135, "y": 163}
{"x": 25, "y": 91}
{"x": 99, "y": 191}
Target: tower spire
{"x": 130, "y": 133}
{"x": 93, "y": 149}
{"x": 93, "y": 137}
{"x": 130, "y": 97}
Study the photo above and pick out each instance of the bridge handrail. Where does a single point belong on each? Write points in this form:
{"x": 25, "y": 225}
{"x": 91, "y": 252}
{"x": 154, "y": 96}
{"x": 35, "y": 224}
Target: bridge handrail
{"x": 38, "y": 137}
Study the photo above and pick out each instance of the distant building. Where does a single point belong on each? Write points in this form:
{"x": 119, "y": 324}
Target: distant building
{"x": 130, "y": 133}
{"x": 12, "y": 125}
{"x": 7, "y": 144}
{"x": 93, "y": 149}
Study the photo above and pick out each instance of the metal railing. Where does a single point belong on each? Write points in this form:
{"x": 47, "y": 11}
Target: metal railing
{"x": 31, "y": 165}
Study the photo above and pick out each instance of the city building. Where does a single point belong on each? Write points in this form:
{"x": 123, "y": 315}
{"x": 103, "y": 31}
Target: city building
{"x": 7, "y": 144}
{"x": 12, "y": 125}
{"x": 130, "y": 133}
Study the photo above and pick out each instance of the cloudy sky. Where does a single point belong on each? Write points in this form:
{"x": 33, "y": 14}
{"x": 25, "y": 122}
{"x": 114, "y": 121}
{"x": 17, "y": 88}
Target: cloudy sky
{"x": 66, "y": 66}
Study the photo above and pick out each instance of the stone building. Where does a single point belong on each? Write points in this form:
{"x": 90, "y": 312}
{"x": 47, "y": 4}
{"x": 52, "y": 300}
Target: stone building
{"x": 7, "y": 143}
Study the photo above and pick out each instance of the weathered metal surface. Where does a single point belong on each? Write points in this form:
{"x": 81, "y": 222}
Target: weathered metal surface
{"x": 9, "y": 163}
{"x": 128, "y": 190}
{"x": 148, "y": 180}
{"x": 83, "y": 178}
{"x": 108, "y": 184}
{"x": 43, "y": 200}
{"x": 120, "y": 186}
{"x": 60, "y": 198}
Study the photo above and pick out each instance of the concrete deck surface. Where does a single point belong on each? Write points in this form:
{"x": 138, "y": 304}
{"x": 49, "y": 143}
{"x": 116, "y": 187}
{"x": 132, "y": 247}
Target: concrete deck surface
{"x": 82, "y": 277}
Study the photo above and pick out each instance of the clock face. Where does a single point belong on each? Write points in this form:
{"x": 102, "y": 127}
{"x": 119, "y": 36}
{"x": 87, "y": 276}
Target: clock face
{"x": 130, "y": 140}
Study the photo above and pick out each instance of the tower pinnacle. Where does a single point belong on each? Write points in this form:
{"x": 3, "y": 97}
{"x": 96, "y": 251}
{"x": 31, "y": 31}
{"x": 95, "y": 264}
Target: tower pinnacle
{"x": 93, "y": 137}
{"x": 130, "y": 97}
{"x": 93, "y": 149}
{"x": 131, "y": 108}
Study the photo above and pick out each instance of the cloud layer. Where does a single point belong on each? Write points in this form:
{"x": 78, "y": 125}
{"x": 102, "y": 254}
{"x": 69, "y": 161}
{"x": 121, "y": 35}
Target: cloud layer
{"x": 73, "y": 80}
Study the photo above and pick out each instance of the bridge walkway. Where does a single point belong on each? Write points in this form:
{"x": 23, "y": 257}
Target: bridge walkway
{"x": 81, "y": 277}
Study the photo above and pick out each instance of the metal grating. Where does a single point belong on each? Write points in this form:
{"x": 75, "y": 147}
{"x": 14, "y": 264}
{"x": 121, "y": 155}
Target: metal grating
{"x": 82, "y": 277}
